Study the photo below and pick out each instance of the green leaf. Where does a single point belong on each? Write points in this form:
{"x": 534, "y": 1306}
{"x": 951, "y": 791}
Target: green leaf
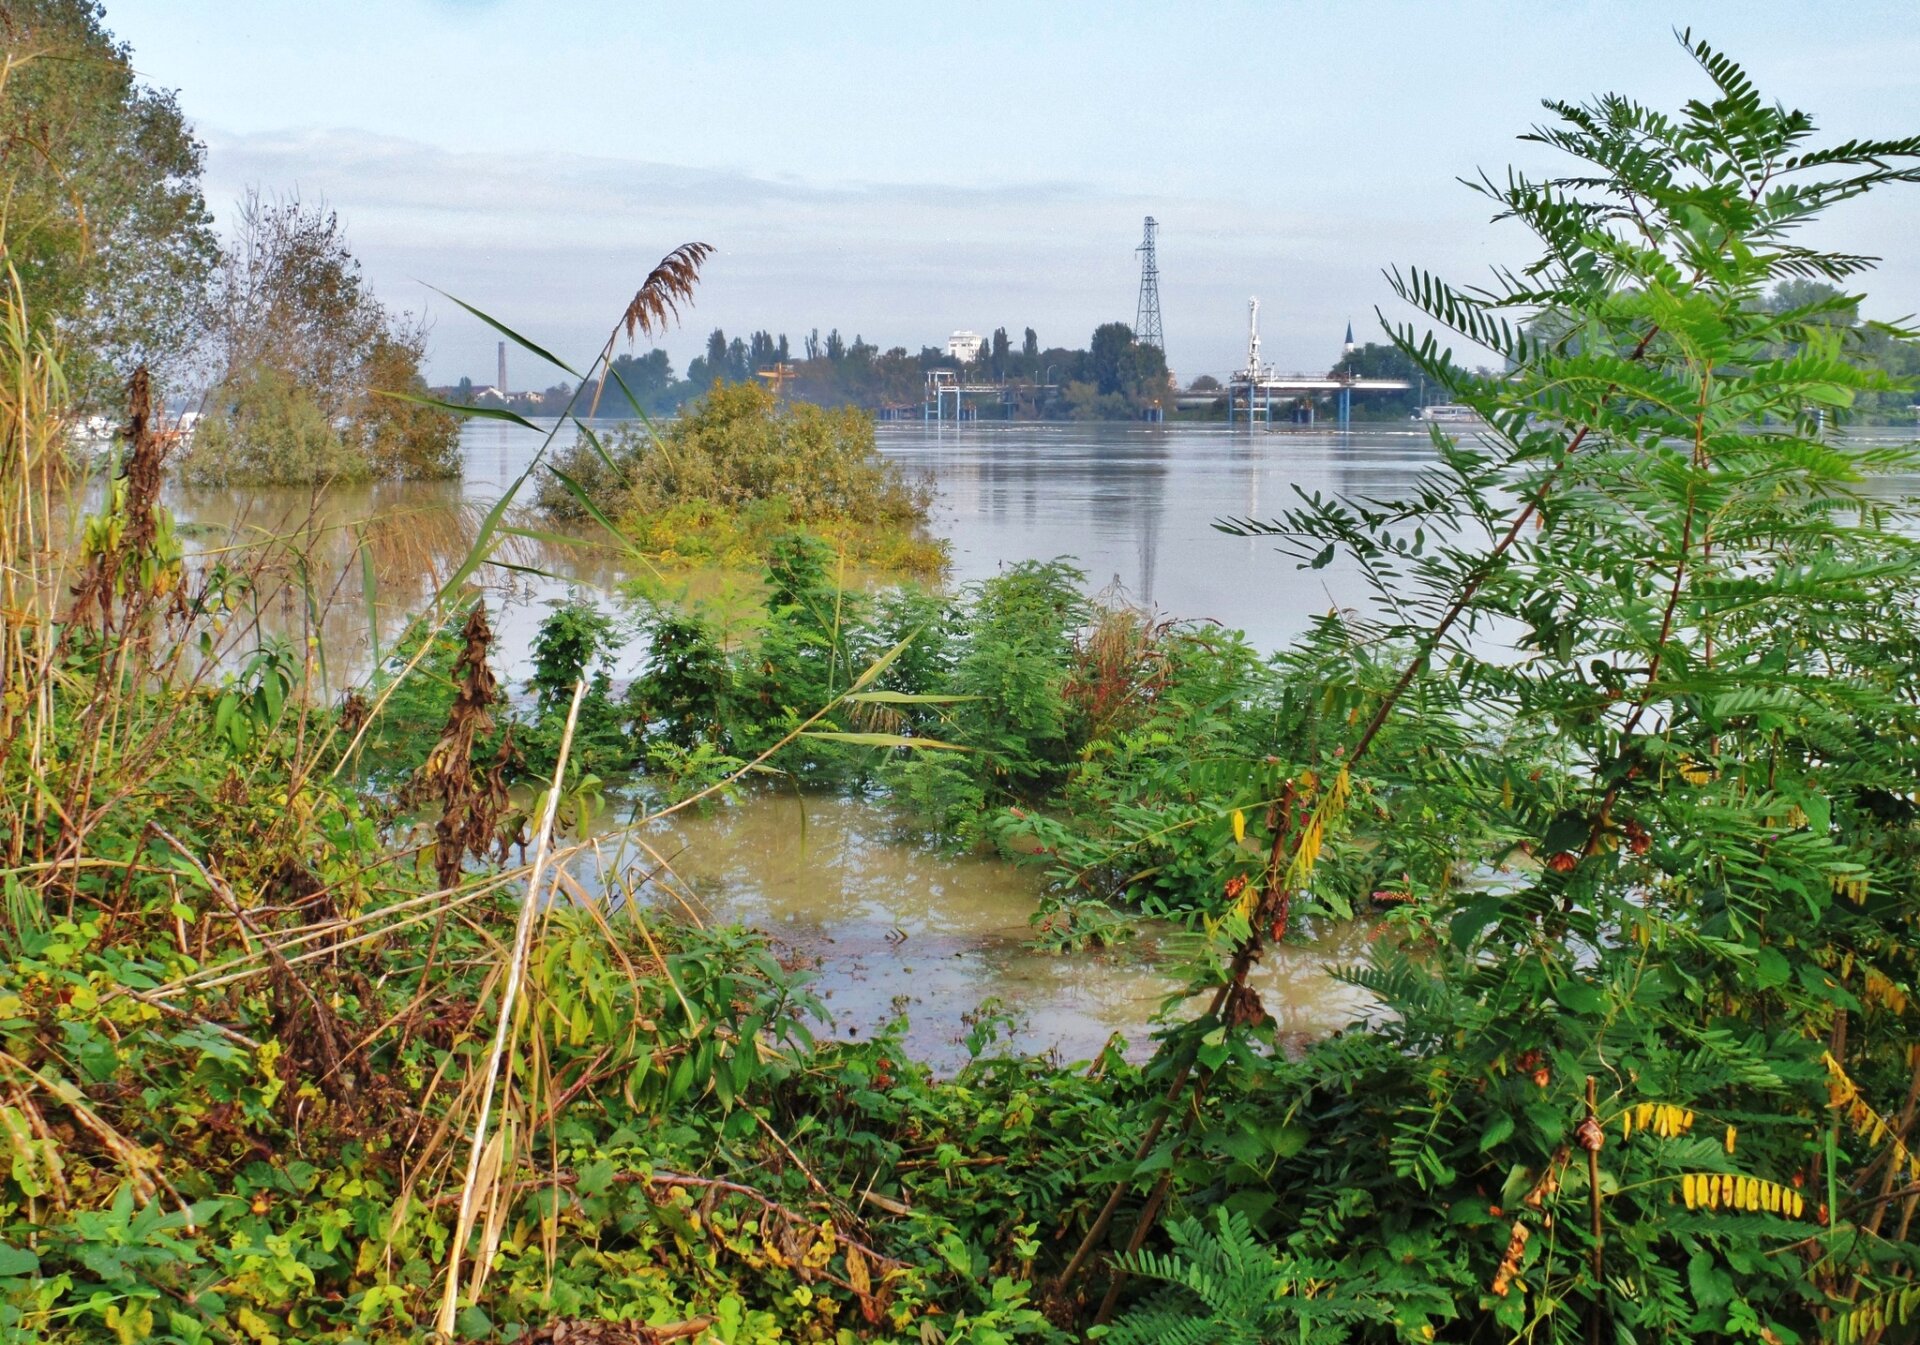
{"x": 1287, "y": 1139}
{"x": 510, "y": 334}
{"x": 477, "y": 412}
{"x": 882, "y": 663}
{"x": 1496, "y": 1132}
{"x": 886, "y": 740}
{"x": 17, "y": 1261}
{"x": 596, "y": 1177}
{"x": 1580, "y": 997}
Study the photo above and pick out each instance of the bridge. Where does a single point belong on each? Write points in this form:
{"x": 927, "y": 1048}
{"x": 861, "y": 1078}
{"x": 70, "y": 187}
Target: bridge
{"x": 1252, "y": 392}
{"x": 944, "y": 389}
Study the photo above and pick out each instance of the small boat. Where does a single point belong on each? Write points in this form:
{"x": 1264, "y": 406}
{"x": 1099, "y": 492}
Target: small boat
{"x": 1447, "y": 413}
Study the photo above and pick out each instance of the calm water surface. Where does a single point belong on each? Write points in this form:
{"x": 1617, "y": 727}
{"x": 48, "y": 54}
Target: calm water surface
{"x": 892, "y": 924}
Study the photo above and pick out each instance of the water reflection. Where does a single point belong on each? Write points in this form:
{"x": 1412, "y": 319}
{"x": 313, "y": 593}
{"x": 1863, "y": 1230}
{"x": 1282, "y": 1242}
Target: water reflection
{"x": 1135, "y": 505}
{"x": 893, "y": 925}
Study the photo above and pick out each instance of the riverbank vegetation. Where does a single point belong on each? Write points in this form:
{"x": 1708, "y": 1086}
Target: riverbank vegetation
{"x": 274, "y": 337}
{"x": 312, "y": 1028}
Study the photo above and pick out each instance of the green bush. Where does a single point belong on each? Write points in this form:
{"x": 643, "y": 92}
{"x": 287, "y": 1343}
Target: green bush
{"x": 262, "y": 427}
{"x": 742, "y": 469}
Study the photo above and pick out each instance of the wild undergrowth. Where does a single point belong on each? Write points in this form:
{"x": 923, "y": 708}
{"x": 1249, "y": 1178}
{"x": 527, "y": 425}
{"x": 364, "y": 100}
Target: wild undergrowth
{"x": 275, "y": 1066}
{"x": 312, "y": 1027}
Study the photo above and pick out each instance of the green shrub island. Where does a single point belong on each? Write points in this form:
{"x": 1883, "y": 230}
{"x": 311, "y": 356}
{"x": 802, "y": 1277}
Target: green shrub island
{"x": 739, "y": 469}
{"x": 321, "y": 1021}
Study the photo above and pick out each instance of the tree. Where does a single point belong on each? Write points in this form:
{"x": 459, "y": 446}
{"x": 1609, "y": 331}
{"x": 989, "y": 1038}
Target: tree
{"x": 1373, "y": 360}
{"x": 1030, "y": 346}
{"x": 1118, "y": 366}
{"x": 394, "y": 436}
{"x": 105, "y": 220}
{"x": 1106, "y": 352}
{"x": 1656, "y": 571}
{"x": 291, "y": 325}
{"x": 645, "y": 376}
{"x": 1000, "y": 349}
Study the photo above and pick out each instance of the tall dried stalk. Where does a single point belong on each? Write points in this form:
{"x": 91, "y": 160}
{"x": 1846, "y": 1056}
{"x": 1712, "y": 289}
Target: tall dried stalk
{"x": 33, "y": 428}
{"x": 485, "y": 1156}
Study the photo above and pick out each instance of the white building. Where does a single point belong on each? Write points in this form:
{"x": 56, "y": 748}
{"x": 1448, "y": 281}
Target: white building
{"x": 965, "y": 346}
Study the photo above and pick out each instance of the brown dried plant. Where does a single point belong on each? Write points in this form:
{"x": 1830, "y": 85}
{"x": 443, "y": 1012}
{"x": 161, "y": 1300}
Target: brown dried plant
{"x": 659, "y": 297}
{"x": 470, "y": 805}
{"x": 665, "y": 288}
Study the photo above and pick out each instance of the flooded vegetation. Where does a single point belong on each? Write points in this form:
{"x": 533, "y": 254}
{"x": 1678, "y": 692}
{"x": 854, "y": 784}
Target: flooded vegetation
{"x": 1331, "y": 888}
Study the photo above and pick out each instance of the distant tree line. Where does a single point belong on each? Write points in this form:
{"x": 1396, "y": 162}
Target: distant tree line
{"x": 1113, "y": 377}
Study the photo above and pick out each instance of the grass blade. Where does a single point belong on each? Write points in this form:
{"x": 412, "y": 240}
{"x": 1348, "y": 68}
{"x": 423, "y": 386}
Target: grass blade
{"x": 509, "y": 333}
{"x": 886, "y": 740}
{"x": 479, "y": 412}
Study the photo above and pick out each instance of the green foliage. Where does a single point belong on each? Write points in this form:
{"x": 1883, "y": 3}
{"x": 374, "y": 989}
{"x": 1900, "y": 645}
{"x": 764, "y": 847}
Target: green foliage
{"x": 684, "y": 694}
{"x": 265, "y": 427}
{"x": 1225, "y": 1286}
{"x": 104, "y": 218}
{"x": 1630, "y": 747}
{"x": 315, "y": 375}
{"x": 1663, "y": 578}
{"x": 577, "y": 641}
{"x": 741, "y": 457}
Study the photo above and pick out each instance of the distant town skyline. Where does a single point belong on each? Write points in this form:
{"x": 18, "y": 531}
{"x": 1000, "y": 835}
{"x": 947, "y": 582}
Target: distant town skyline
{"x": 901, "y": 176}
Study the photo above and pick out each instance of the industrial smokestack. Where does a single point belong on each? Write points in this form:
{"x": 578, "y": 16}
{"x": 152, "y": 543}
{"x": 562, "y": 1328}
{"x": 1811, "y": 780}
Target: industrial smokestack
{"x": 502, "y": 385}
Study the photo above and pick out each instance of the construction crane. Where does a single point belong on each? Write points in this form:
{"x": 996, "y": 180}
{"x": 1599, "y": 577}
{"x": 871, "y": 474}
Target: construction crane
{"x": 778, "y": 377}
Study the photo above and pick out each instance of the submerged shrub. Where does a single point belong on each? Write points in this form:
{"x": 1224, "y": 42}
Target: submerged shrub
{"x": 741, "y": 469}
{"x": 308, "y": 364}
{"x": 261, "y": 426}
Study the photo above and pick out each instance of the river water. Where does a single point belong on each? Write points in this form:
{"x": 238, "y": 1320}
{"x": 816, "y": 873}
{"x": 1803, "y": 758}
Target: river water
{"x": 892, "y": 924}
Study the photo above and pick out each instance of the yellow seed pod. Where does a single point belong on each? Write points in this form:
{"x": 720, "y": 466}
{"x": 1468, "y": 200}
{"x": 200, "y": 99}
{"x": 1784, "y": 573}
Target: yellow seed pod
{"x": 1732, "y": 1135}
{"x": 1239, "y": 825}
{"x": 1690, "y": 1189}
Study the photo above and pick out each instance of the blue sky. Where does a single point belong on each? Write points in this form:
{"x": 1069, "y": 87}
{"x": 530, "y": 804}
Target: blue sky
{"x": 899, "y": 170}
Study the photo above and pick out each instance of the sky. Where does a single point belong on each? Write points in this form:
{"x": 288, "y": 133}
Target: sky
{"x": 900, "y": 171}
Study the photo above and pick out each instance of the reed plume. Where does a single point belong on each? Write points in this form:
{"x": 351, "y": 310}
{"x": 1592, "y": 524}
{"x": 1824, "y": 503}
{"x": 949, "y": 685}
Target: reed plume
{"x": 659, "y": 297}
{"x": 667, "y": 286}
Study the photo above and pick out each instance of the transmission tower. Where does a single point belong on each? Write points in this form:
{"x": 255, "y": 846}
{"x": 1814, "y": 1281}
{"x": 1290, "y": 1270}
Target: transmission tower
{"x": 1146, "y": 321}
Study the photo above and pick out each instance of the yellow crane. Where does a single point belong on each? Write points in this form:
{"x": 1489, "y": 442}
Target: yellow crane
{"x": 777, "y": 377}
